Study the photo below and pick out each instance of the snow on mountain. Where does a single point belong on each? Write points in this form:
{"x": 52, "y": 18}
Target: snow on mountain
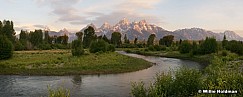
{"x": 230, "y": 35}
{"x": 142, "y": 29}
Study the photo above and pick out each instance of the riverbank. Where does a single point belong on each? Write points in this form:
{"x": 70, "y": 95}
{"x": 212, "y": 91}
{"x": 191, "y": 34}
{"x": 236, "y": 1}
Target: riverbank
{"x": 61, "y": 62}
{"x": 203, "y": 60}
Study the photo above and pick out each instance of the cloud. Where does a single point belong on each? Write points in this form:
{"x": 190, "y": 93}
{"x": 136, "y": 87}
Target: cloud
{"x": 40, "y": 26}
{"x": 62, "y": 8}
{"x": 17, "y": 28}
{"x": 131, "y": 9}
{"x": 131, "y": 5}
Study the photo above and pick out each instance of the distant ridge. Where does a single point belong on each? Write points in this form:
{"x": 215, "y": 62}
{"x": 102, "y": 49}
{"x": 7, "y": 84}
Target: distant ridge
{"x": 142, "y": 29}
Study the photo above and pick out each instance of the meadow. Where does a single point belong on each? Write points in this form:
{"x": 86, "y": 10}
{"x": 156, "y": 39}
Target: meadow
{"x": 61, "y": 62}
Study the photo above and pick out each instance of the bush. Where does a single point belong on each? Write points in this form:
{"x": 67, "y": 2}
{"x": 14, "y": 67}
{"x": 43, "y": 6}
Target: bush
{"x": 59, "y": 46}
{"x": 186, "y": 83}
{"x": 151, "y": 48}
{"x": 111, "y": 48}
{"x": 128, "y": 45}
{"x": 208, "y": 46}
{"x": 18, "y": 46}
{"x": 44, "y": 46}
{"x": 235, "y": 47}
{"x": 185, "y": 47}
{"x": 98, "y": 46}
{"x": 6, "y": 48}
{"x": 159, "y": 47}
{"x": 224, "y": 53}
{"x": 59, "y": 92}
{"x": 77, "y": 49}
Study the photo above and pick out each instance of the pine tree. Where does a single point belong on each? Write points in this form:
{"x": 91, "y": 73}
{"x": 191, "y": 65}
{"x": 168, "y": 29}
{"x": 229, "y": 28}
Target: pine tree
{"x": 79, "y": 35}
{"x": 89, "y": 35}
{"x": 116, "y": 39}
{"x": 126, "y": 40}
{"x": 6, "y": 47}
{"x": 105, "y": 39}
{"x": 135, "y": 40}
{"x": 224, "y": 42}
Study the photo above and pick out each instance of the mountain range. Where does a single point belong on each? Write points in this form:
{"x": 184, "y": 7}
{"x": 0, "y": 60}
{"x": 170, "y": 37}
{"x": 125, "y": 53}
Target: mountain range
{"x": 142, "y": 30}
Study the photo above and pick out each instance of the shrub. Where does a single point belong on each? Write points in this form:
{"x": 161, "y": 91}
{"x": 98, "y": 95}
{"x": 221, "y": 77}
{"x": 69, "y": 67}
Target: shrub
{"x": 59, "y": 46}
{"x": 185, "y": 47}
{"x": 186, "y": 83}
{"x": 98, "y": 46}
{"x": 159, "y": 47}
{"x": 224, "y": 53}
{"x": 138, "y": 89}
{"x": 151, "y": 48}
{"x": 77, "y": 49}
{"x": 208, "y": 46}
{"x": 59, "y": 92}
{"x": 18, "y": 46}
{"x": 6, "y": 48}
{"x": 111, "y": 48}
{"x": 235, "y": 47}
{"x": 44, "y": 46}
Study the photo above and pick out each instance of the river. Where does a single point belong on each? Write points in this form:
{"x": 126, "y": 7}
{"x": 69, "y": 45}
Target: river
{"x": 107, "y": 85}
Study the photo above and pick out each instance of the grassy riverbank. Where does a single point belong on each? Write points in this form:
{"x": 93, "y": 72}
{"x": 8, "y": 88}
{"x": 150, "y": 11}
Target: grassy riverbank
{"x": 224, "y": 72}
{"x": 61, "y": 62}
{"x": 204, "y": 60}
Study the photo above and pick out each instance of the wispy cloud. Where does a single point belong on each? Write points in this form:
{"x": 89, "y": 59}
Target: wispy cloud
{"x": 131, "y": 9}
{"x": 64, "y": 9}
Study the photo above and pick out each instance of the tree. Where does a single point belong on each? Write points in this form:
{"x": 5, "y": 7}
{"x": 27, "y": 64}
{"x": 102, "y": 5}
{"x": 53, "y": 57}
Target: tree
{"x": 224, "y": 42}
{"x": 89, "y": 35}
{"x": 126, "y": 40}
{"x": 105, "y": 39}
{"x": 194, "y": 48}
{"x": 208, "y": 46}
{"x": 47, "y": 38}
{"x": 36, "y": 37}
{"x": 185, "y": 47}
{"x": 18, "y": 46}
{"x": 23, "y": 38}
{"x": 6, "y": 48}
{"x": 116, "y": 39}
{"x": 8, "y": 30}
{"x": 166, "y": 40}
{"x": 135, "y": 40}
{"x": 1, "y": 27}
{"x": 65, "y": 39}
{"x": 98, "y": 46}
{"x": 235, "y": 46}
{"x": 151, "y": 39}
{"x": 79, "y": 35}
{"x": 77, "y": 49}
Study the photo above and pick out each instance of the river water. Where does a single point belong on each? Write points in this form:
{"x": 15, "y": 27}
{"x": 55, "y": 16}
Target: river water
{"x": 108, "y": 85}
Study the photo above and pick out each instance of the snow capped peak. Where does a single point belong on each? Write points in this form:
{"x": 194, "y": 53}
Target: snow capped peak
{"x": 143, "y": 22}
{"x": 105, "y": 25}
{"x": 124, "y": 21}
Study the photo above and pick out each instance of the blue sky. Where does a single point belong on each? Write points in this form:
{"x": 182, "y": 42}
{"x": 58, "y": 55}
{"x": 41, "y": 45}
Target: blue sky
{"x": 216, "y": 15}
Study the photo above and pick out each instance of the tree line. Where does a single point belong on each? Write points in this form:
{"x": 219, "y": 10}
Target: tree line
{"x": 41, "y": 40}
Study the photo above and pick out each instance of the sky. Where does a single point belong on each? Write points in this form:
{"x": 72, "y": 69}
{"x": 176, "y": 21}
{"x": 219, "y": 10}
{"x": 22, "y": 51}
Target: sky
{"x": 215, "y": 15}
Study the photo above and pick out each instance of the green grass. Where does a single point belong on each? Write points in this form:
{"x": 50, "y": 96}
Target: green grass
{"x": 204, "y": 60}
{"x": 224, "y": 72}
{"x": 61, "y": 62}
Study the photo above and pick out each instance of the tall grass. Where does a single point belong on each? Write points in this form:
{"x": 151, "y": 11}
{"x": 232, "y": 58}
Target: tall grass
{"x": 224, "y": 73}
{"x": 58, "y": 92}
